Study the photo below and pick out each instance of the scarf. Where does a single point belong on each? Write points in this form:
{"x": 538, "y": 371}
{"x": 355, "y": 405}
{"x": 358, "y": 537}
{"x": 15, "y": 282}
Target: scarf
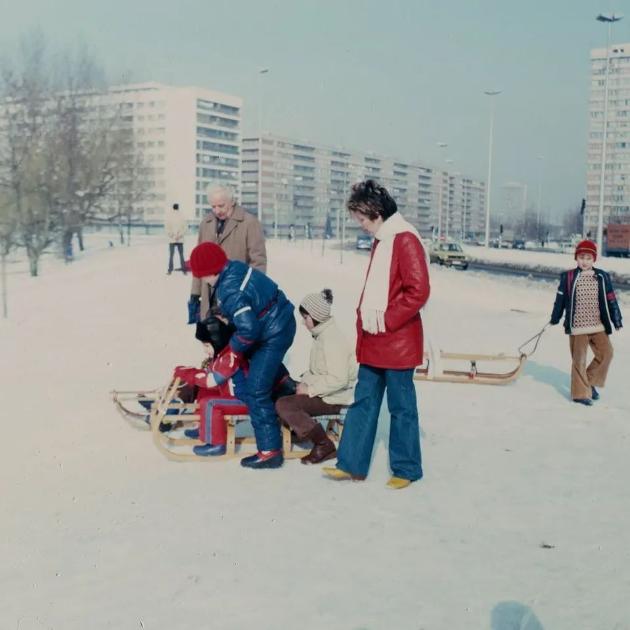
{"x": 376, "y": 288}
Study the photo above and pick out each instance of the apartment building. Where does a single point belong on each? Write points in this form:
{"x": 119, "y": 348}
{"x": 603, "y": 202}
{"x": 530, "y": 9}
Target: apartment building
{"x": 188, "y": 137}
{"x": 617, "y": 169}
{"x": 299, "y": 185}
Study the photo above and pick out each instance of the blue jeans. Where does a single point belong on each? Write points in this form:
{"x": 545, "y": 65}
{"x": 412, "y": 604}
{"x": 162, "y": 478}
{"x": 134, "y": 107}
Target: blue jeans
{"x": 357, "y": 439}
{"x": 263, "y": 367}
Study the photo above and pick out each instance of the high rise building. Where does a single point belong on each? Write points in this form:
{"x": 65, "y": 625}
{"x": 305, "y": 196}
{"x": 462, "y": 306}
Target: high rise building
{"x": 305, "y": 185}
{"x": 617, "y": 172}
{"x": 188, "y": 137}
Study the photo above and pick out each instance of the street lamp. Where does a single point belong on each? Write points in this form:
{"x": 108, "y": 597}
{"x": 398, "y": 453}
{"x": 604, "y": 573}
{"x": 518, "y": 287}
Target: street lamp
{"x": 539, "y": 201}
{"x": 610, "y": 20}
{"x": 261, "y": 72}
{"x": 490, "y": 139}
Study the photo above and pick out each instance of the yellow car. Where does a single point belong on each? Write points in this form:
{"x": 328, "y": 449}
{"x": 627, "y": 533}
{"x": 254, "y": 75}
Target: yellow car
{"x": 449, "y": 254}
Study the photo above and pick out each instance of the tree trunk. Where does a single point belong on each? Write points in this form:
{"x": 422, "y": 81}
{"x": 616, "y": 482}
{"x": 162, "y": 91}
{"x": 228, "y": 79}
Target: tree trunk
{"x": 128, "y": 230}
{"x": 33, "y": 263}
{"x": 3, "y": 273}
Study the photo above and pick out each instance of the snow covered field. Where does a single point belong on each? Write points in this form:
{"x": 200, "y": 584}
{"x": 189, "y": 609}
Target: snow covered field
{"x": 522, "y": 514}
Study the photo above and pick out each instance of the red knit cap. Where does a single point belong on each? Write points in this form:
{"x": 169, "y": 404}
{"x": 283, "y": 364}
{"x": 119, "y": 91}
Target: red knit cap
{"x": 586, "y": 247}
{"x": 207, "y": 259}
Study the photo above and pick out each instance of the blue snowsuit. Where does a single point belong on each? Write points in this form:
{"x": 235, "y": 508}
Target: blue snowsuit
{"x": 265, "y": 328}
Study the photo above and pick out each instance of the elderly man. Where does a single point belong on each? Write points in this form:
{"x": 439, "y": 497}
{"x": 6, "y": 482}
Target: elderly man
{"x": 240, "y": 235}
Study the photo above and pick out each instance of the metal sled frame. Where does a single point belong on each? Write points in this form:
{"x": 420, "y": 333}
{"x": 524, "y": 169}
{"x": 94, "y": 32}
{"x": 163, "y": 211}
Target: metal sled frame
{"x": 456, "y": 374}
{"x": 165, "y": 443}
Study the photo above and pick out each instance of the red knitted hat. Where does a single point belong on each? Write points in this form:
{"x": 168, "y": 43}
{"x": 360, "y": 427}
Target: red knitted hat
{"x": 207, "y": 259}
{"x": 586, "y": 247}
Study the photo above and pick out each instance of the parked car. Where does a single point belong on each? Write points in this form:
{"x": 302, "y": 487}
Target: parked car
{"x": 449, "y": 254}
{"x": 364, "y": 241}
{"x": 518, "y": 243}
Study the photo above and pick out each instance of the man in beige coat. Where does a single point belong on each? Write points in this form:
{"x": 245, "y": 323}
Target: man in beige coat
{"x": 238, "y": 232}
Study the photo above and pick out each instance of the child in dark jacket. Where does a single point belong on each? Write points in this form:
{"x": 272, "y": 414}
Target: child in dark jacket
{"x": 264, "y": 324}
{"x": 587, "y": 298}
{"x": 216, "y": 400}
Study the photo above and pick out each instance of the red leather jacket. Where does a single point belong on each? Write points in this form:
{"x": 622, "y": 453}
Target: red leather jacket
{"x": 401, "y": 345}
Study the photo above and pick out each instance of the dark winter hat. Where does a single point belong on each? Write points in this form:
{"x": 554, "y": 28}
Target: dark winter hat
{"x": 317, "y": 305}
{"x": 586, "y": 247}
{"x": 207, "y": 259}
{"x": 214, "y": 332}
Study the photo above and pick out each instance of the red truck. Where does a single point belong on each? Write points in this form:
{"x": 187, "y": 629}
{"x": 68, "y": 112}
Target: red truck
{"x": 618, "y": 239}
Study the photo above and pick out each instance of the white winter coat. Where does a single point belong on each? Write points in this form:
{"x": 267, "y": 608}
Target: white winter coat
{"x": 332, "y": 371}
{"x": 175, "y": 225}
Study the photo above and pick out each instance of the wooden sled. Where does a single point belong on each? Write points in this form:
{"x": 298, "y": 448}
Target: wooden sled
{"x": 166, "y": 443}
{"x": 127, "y": 403}
{"x": 453, "y": 367}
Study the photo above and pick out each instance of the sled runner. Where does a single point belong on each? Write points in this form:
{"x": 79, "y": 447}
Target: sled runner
{"x": 129, "y": 405}
{"x": 170, "y": 442}
{"x": 454, "y": 367}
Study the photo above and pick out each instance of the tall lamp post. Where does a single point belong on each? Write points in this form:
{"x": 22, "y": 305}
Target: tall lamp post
{"x": 261, "y": 72}
{"x": 490, "y": 93}
{"x": 610, "y": 20}
{"x": 540, "y": 158}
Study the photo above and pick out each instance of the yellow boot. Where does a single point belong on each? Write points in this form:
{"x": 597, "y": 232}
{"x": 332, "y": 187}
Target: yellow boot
{"x": 397, "y": 483}
{"x": 339, "y": 475}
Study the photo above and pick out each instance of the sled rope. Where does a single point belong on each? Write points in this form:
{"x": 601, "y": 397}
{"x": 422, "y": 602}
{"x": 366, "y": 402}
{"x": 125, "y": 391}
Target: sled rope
{"x": 536, "y": 337}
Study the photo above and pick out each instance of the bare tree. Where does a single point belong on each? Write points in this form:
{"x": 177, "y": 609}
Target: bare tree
{"x": 24, "y": 89}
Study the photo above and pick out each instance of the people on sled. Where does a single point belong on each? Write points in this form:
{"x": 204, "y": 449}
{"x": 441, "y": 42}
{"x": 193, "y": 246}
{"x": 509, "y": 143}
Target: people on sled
{"x": 217, "y": 400}
{"x": 264, "y": 328}
{"x": 327, "y": 386}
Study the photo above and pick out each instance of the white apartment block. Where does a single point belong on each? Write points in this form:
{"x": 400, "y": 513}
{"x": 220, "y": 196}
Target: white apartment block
{"x": 305, "y": 185}
{"x": 189, "y": 137}
{"x": 617, "y": 169}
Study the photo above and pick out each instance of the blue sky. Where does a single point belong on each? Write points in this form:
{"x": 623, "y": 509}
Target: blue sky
{"x": 393, "y": 77}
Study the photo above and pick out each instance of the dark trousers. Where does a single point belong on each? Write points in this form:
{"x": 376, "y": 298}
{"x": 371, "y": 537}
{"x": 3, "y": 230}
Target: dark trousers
{"x": 297, "y": 411}
{"x": 171, "y": 251}
{"x": 264, "y": 364}
{"x": 359, "y": 429}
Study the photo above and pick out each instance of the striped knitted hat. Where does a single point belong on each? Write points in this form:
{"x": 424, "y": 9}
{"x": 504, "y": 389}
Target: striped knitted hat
{"x": 586, "y": 247}
{"x": 317, "y": 305}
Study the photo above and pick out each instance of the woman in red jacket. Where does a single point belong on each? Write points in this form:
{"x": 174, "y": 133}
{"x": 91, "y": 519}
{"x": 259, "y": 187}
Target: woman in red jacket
{"x": 389, "y": 341}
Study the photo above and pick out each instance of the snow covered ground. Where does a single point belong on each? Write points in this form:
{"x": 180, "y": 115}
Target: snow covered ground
{"x": 544, "y": 260}
{"x": 522, "y": 514}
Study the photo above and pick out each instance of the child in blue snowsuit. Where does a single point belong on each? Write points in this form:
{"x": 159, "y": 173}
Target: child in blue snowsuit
{"x": 264, "y": 324}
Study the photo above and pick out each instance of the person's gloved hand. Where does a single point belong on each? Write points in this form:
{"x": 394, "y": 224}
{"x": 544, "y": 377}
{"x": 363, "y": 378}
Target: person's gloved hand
{"x": 226, "y": 364}
{"x": 194, "y": 308}
{"x": 205, "y": 380}
{"x": 185, "y": 374}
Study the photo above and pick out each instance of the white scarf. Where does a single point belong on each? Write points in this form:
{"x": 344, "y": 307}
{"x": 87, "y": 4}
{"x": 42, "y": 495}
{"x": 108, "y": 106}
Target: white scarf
{"x": 376, "y": 288}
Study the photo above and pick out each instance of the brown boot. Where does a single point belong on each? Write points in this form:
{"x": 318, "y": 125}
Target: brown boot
{"x": 323, "y": 447}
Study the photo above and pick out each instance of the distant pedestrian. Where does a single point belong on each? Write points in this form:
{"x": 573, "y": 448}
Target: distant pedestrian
{"x": 389, "y": 341}
{"x": 175, "y": 225}
{"x": 587, "y": 298}
{"x": 239, "y": 234}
